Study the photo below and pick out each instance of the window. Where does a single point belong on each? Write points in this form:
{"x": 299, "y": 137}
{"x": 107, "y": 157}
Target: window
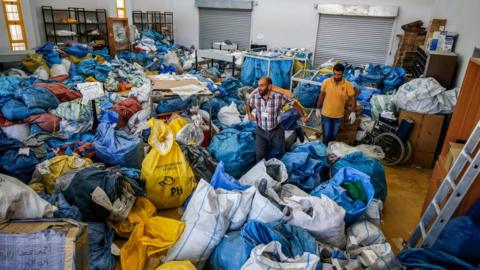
{"x": 12, "y": 12}
{"x": 120, "y": 8}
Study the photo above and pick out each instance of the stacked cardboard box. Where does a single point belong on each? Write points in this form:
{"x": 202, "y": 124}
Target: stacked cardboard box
{"x": 407, "y": 47}
{"x": 424, "y": 137}
{"x": 44, "y": 244}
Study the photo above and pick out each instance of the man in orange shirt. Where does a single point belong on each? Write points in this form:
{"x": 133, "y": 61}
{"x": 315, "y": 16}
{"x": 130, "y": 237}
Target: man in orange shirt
{"x": 336, "y": 92}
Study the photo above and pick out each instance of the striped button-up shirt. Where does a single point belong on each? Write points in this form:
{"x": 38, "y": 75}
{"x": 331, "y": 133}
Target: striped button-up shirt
{"x": 268, "y": 111}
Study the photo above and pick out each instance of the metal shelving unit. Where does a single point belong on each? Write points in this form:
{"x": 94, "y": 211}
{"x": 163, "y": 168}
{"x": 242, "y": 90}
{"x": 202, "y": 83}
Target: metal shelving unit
{"x": 85, "y": 22}
{"x": 155, "y": 20}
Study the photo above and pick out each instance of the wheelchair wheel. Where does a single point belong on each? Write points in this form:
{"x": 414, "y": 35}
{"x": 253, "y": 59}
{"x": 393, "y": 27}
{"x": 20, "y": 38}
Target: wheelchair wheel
{"x": 392, "y": 146}
{"x": 408, "y": 152}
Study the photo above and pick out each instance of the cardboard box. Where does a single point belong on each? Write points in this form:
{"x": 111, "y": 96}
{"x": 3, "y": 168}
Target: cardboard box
{"x": 44, "y": 244}
{"x": 423, "y": 159}
{"x": 424, "y": 137}
{"x": 453, "y": 153}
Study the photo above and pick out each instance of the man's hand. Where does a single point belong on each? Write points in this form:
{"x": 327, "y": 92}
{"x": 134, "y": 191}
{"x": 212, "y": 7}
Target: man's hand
{"x": 251, "y": 117}
{"x": 318, "y": 113}
{"x": 352, "y": 117}
{"x": 304, "y": 119}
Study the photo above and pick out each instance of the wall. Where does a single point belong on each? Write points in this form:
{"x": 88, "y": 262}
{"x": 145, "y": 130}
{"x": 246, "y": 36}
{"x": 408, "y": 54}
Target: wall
{"x": 268, "y": 18}
{"x": 154, "y": 5}
{"x": 185, "y": 23}
{"x": 462, "y": 16}
{"x": 301, "y": 29}
{"x": 270, "y": 26}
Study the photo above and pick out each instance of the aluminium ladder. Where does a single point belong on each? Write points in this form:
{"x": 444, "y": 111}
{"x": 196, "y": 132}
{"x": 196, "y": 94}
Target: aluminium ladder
{"x": 450, "y": 190}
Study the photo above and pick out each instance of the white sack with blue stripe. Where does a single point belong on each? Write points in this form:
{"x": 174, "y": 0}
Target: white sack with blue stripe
{"x": 362, "y": 234}
{"x": 271, "y": 257}
{"x": 207, "y": 218}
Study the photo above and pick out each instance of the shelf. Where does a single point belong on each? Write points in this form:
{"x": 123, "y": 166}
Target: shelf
{"x": 62, "y": 23}
{"x": 53, "y": 36}
{"x": 53, "y": 17}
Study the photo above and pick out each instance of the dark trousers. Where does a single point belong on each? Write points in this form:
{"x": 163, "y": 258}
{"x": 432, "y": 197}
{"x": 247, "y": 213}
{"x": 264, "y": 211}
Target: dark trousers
{"x": 269, "y": 143}
{"x": 330, "y": 128}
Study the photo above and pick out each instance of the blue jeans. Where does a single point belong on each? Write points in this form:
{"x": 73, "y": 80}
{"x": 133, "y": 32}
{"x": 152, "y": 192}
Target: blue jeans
{"x": 330, "y": 127}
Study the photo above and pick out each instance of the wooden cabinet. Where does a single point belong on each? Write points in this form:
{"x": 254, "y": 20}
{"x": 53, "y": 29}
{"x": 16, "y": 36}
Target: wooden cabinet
{"x": 464, "y": 120}
{"x": 118, "y": 35}
{"x": 438, "y": 65}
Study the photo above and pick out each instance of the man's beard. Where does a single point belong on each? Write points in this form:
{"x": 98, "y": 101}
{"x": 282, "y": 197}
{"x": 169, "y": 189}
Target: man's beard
{"x": 263, "y": 92}
{"x": 337, "y": 80}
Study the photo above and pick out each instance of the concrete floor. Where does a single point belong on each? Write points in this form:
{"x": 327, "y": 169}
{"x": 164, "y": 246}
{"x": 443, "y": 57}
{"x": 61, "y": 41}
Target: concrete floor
{"x": 407, "y": 187}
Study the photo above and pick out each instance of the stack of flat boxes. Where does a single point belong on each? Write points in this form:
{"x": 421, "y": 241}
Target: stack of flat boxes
{"x": 407, "y": 48}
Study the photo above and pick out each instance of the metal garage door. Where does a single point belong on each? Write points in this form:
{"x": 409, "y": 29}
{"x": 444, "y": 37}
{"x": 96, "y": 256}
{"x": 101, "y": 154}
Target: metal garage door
{"x": 353, "y": 39}
{"x": 224, "y": 24}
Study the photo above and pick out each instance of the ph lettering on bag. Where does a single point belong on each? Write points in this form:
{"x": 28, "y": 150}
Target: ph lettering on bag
{"x": 167, "y": 180}
{"x": 176, "y": 190}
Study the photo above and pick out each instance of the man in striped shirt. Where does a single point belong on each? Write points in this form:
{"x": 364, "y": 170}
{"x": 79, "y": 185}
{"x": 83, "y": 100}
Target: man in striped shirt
{"x": 264, "y": 106}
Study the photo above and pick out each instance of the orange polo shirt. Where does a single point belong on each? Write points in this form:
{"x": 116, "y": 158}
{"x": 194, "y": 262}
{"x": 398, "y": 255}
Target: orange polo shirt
{"x": 336, "y": 96}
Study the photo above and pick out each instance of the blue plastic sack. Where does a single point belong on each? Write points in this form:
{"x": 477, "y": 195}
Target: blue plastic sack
{"x": 50, "y": 55}
{"x": 15, "y": 159}
{"x": 366, "y": 93}
{"x": 351, "y": 73}
{"x": 103, "y": 53}
{"x": 234, "y": 249}
{"x": 367, "y": 165}
{"x": 334, "y": 191}
{"x": 39, "y": 97}
{"x": 14, "y": 110}
{"x": 172, "y": 105}
{"x": 461, "y": 236}
{"x": 215, "y": 104}
{"x": 65, "y": 210}
{"x": 364, "y": 97}
{"x": 394, "y": 78}
{"x": 236, "y": 149}
{"x": 307, "y": 165}
{"x": 289, "y": 119}
{"x": 116, "y": 147}
{"x": 245, "y": 126}
{"x": 230, "y": 254}
{"x": 100, "y": 238}
{"x": 307, "y": 94}
{"x": 372, "y": 76}
{"x": 231, "y": 85}
{"x": 78, "y": 50}
{"x": 149, "y": 33}
{"x": 8, "y": 86}
{"x": 90, "y": 67}
{"x": 420, "y": 258}
{"x": 295, "y": 240}
{"x": 221, "y": 179}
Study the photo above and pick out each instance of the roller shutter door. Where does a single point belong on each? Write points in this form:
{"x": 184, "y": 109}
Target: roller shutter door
{"x": 353, "y": 39}
{"x": 224, "y": 24}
